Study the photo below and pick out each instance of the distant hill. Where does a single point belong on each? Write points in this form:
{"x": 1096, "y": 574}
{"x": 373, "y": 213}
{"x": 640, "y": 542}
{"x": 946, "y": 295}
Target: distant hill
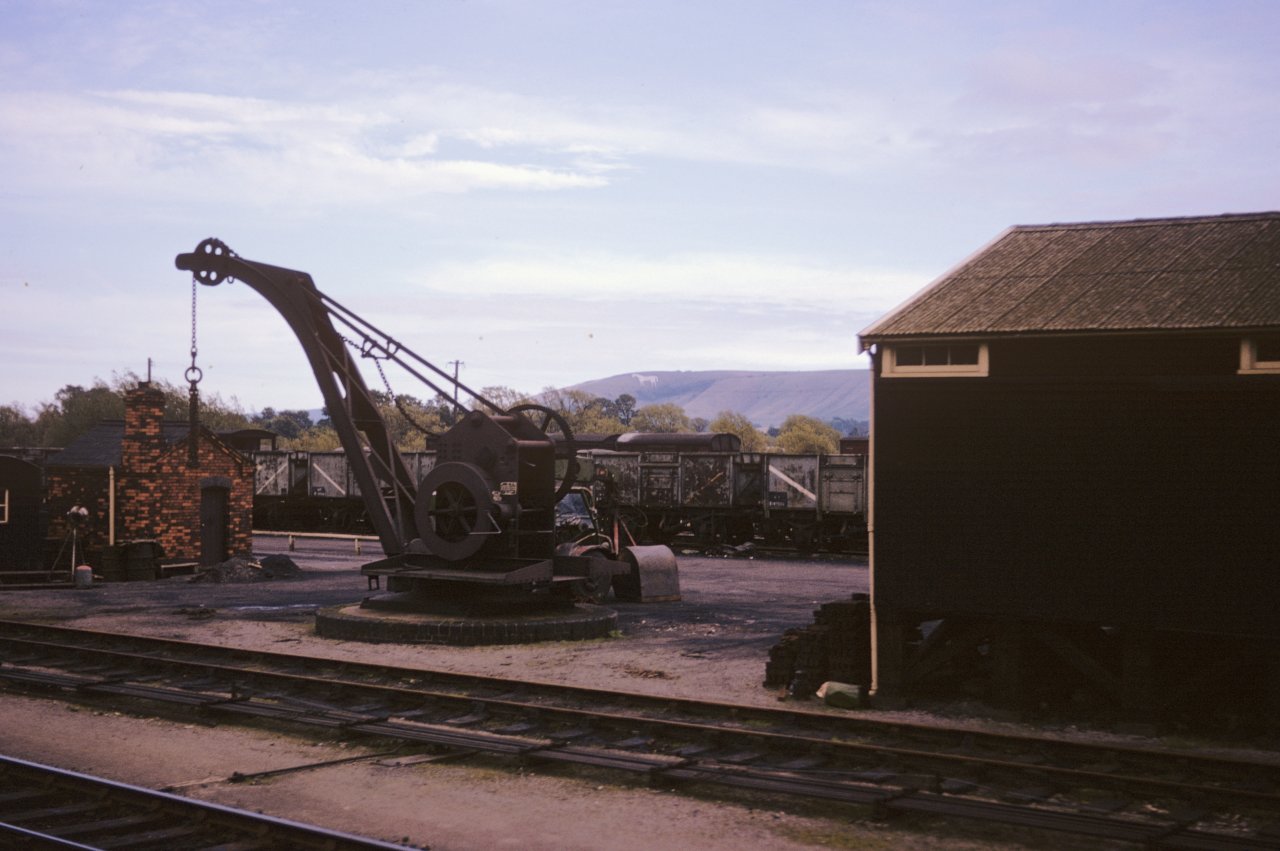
{"x": 766, "y": 397}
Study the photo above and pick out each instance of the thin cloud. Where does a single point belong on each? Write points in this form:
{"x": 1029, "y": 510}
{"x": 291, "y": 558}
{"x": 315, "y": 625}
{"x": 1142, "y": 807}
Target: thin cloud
{"x": 597, "y": 193}
{"x": 224, "y": 148}
{"x": 716, "y": 278}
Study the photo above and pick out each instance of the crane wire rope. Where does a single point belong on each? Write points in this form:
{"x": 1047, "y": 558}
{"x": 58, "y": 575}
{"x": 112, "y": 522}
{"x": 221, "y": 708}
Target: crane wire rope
{"x": 193, "y": 376}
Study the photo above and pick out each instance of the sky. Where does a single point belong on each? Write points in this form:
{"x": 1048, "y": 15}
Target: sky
{"x": 552, "y": 192}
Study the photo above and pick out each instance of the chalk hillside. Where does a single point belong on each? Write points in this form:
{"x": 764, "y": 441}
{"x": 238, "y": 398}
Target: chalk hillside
{"x": 766, "y": 397}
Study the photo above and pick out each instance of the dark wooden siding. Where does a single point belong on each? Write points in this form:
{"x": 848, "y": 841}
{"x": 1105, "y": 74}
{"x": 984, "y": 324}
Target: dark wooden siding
{"x": 1112, "y": 481}
{"x": 22, "y": 535}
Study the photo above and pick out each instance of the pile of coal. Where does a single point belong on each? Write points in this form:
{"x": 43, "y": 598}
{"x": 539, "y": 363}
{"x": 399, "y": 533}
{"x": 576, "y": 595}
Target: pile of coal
{"x": 242, "y": 570}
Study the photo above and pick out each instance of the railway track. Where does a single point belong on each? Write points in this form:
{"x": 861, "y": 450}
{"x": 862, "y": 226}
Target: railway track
{"x": 46, "y": 807}
{"x": 1151, "y": 797}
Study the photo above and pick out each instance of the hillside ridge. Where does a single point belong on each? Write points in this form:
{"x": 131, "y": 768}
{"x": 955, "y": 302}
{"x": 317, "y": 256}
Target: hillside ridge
{"x": 766, "y": 397}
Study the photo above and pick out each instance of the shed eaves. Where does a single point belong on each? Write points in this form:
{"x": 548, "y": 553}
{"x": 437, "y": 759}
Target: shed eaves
{"x": 1149, "y": 274}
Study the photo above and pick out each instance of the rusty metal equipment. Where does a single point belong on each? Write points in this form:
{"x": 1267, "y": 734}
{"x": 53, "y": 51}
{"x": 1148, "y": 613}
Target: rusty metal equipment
{"x": 477, "y": 534}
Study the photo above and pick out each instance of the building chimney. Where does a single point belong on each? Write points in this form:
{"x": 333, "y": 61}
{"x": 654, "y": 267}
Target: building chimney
{"x": 143, "y": 415}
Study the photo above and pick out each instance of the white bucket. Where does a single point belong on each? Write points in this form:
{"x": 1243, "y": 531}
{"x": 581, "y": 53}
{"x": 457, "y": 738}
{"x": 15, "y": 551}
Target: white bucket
{"x": 83, "y": 576}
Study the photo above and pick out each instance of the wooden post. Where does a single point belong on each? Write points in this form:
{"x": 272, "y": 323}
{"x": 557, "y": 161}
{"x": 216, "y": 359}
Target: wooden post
{"x": 888, "y": 660}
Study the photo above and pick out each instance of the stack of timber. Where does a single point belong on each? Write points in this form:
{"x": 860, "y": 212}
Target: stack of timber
{"x": 836, "y": 647}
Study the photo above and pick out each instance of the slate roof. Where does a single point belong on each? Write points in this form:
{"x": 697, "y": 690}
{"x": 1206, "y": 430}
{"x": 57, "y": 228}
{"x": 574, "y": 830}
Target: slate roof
{"x": 100, "y": 445}
{"x": 1177, "y": 274}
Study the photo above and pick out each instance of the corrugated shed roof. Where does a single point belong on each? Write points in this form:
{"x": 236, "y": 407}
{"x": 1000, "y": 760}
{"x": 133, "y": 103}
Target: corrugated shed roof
{"x": 100, "y": 445}
{"x": 1149, "y": 274}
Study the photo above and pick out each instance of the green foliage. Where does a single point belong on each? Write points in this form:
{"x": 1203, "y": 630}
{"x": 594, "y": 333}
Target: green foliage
{"x": 16, "y": 428}
{"x": 449, "y": 415}
{"x": 732, "y": 422}
{"x": 586, "y": 414}
{"x": 75, "y": 409}
{"x": 626, "y": 408}
{"x": 318, "y": 438}
{"x": 287, "y": 424}
{"x": 215, "y": 414}
{"x": 502, "y": 396}
{"x": 664, "y": 418}
{"x": 410, "y": 421}
{"x": 801, "y": 434}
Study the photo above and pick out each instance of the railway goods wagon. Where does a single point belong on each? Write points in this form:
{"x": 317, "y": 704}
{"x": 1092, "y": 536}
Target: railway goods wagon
{"x": 698, "y": 485}
{"x": 315, "y": 491}
{"x": 816, "y": 501}
{"x": 661, "y": 493}
{"x": 804, "y": 501}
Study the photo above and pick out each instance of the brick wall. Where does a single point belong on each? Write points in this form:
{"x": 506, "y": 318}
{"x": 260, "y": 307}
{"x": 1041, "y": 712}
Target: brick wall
{"x": 158, "y": 493}
{"x": 143, "y": 418}
{"x": 68, "y": 486}
{"x": 139, "y": 492}
{"x": 162, "y": 498}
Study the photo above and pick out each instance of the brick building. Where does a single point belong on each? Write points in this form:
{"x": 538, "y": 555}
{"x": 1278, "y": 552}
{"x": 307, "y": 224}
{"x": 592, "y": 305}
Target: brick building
{"x": 138, "y": 482}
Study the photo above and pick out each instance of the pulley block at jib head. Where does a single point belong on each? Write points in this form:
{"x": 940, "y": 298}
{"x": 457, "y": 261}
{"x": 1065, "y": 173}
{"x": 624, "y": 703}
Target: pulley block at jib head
{"x": 210, "y": 267}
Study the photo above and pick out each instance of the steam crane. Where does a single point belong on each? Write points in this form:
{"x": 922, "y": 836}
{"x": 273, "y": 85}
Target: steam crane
{"x": 477, "y": 535}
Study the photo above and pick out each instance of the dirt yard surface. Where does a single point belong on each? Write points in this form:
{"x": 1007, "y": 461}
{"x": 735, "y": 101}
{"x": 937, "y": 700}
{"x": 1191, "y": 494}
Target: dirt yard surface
{"x": 713, "y": 644}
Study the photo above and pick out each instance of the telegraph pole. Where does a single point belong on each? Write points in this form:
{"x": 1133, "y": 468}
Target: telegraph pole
{"x": 455, "y": 364}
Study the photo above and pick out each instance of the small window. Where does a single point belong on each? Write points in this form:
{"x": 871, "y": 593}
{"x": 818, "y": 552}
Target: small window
{"x": 4, "y": 506}
{"x": 935, "y": 359}
{"x": 1260, "y": 354}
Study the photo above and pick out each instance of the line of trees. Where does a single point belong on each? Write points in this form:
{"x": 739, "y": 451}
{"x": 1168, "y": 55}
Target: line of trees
{"x": 75, "y": 409}
{"x": 410, "y": 420}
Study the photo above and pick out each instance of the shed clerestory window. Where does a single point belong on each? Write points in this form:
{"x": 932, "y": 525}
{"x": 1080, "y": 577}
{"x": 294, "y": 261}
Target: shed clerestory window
{"x": 1260, "y": 354}
{"x": 935, "y": 360}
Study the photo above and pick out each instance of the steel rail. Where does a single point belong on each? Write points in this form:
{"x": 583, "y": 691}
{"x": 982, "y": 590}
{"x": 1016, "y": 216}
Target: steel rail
{"x": 102, "y": 679}
{"x": 967, "y": 741}
{"x": 1150, "y": 832}
{"x": 47, "y": 807}
{"x": 399, "y": 724}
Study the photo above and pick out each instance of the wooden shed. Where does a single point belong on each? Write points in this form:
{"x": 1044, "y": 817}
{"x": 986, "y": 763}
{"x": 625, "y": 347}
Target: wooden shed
{"x": 139, "y": 483}
{"x": 1076, "y": 460}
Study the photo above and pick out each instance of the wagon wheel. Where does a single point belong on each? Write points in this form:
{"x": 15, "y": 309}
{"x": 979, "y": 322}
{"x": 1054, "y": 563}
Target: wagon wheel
{"x": 543, "y": 418}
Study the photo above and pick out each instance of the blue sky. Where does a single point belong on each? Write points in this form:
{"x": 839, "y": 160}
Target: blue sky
{"x": 560, "y": 191}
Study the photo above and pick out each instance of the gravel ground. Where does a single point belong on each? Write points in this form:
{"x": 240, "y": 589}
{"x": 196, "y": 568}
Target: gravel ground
{"x": 712, "y": 644}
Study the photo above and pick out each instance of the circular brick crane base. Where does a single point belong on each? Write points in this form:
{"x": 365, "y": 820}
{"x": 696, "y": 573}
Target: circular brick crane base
{"x": 354, "y": 623}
